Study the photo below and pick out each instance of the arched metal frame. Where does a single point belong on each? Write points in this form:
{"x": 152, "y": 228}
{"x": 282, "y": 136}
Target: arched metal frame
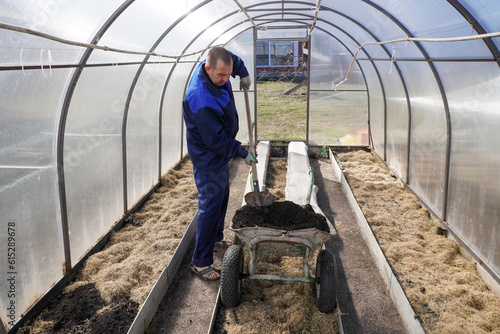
{"x": 129, "y": 98}
{"x": 255, "y": 8}
{"x": 62, "y": 127}
{"x": 82, "y": 64}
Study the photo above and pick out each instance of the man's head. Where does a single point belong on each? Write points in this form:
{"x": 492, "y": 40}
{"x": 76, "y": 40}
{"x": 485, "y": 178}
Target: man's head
{"x": 219, "y": 65}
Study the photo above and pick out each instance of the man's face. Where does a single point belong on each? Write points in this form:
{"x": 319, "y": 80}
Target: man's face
{"x": 220, "y": 74}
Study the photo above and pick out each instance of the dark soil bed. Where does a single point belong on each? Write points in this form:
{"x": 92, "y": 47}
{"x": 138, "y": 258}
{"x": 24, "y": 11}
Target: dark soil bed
{"x": 285, "y": 215}
{"x": 107, "y": 293}
{"x": 84, "y": 311}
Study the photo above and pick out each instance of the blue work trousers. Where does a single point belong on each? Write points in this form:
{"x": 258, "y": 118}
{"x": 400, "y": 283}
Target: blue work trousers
{"x": 213, "y": 195}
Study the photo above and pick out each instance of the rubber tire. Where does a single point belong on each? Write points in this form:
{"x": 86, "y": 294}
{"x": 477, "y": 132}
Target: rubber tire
{"x": 326, "y": 276}
{"x": 230, "y": 280}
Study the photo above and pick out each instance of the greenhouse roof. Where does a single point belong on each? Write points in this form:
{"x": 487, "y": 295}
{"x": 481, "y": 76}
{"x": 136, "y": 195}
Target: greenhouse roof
{"x": 92, "y": 106}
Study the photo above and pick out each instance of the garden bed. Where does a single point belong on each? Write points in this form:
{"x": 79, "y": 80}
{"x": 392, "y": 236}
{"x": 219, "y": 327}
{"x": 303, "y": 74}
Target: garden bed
{"x": 444, "y": 288}
{"x": 114, "y": 282}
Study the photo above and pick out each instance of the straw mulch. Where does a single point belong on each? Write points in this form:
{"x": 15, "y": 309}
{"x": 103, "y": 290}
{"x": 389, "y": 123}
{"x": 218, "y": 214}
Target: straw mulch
{"x": 114, "y": 282}
{"x": 443, "y": 287}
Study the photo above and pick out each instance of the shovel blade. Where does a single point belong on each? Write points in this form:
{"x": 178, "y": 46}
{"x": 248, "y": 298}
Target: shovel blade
{"x": 262, "y": 199}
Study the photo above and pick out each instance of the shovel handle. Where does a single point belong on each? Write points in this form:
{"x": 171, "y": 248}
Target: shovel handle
{"x": 251, "y": 146}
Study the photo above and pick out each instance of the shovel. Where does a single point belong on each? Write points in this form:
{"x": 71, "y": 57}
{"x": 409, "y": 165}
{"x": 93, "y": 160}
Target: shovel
{"x": 257, "y": 197}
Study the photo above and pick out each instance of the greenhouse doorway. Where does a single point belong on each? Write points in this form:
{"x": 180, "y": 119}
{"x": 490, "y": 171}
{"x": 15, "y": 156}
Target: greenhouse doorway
{"x": 282, "y": 73}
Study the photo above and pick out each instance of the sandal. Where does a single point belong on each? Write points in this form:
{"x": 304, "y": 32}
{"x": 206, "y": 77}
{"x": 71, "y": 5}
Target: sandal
{"x": 205, "y": 273}
{"x": 224, "y": 242}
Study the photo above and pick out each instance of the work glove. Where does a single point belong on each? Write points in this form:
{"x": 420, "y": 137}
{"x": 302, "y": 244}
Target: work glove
{"x": 245, "y": 82}
{"x": 250, "y": 158}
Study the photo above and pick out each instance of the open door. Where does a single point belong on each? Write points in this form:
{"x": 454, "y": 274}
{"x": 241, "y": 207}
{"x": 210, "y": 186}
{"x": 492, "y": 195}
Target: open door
{"x": 282, "y": 75}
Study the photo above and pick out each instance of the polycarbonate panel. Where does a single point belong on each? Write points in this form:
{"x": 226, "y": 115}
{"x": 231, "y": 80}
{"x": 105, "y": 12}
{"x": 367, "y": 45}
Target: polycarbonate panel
{"x": 473, "y": 91}
{"x": 172, "y": 122}
{"x": 199, "y": 45}
{"x": 235, "y": 31}
{"x": 427, "y": 21}
{"x": 25, "y": 50}
{"x": 217, "y": 34}
{"x": 289, "y": 33}
{"x": 486, "y": 12}
{"x": 143, "y": 131}
{"x": 376, "y": 107}
{"x": 453, "y": 50}
{"x": 338, "y": 117}
{"x": 351, "y": 44}
{"x": 397, "y": 118}
{"x": 73, "y": 20}
{"x": 93, "y": 154}
{"x": 242, "y": 45}
{"x": 139, "y": 27}
{"x": 346, "y": 40}
{"x": 186, "y": 31}
{"x": 330, "y": 62}
{"x": 380, "y": 25}
{"x": 33, "y": 258}
{"x": 358, "y": 31}
{"x": 428, "y": 135}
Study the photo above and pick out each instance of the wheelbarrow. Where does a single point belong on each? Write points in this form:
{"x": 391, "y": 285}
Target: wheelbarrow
{"x": 312, "y": 239}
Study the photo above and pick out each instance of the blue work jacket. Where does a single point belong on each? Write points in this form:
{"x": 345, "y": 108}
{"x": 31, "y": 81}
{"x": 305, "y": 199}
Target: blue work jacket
{"x": 212, "y": 120}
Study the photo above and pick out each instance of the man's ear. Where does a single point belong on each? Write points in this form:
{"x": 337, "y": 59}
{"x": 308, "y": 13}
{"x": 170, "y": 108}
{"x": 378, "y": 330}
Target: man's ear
{"x": 207, "y": 67}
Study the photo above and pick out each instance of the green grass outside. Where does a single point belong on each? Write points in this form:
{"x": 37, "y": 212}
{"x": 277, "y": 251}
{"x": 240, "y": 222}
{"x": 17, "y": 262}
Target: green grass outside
{"x": 281, "y": 116}
{"x": 333, "y": 115}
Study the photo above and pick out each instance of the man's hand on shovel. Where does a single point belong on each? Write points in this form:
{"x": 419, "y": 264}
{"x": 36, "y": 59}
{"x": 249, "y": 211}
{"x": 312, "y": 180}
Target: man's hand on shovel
{"x": 250, "y": 158}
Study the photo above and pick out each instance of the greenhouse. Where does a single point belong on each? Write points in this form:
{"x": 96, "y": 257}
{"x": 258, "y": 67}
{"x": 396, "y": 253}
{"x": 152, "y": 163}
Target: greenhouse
{"x": 93, "y": 127}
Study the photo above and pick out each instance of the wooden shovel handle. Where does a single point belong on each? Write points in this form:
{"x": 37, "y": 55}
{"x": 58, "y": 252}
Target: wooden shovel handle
{"x": 251, "y": 146}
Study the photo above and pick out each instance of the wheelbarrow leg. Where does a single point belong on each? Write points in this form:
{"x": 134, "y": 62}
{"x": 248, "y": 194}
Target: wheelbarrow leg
{"x": 307, "y": 258}
{"x": 253, "y": 254}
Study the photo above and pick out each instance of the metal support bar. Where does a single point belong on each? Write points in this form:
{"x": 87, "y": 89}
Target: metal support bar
{"x": 279, "y": 278}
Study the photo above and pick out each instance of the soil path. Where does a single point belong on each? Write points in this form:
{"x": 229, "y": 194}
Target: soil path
{"x": 189, "y": 303}
{"x": 365, "y": 305}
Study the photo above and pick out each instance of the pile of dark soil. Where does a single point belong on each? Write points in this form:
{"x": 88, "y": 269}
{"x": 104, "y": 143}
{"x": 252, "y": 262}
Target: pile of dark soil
{"x": 285, "y": 215}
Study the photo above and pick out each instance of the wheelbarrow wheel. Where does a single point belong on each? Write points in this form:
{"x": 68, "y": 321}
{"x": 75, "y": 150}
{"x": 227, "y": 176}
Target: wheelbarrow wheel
{"x": 326, "y": 277}
{"x": 230, "y": 280}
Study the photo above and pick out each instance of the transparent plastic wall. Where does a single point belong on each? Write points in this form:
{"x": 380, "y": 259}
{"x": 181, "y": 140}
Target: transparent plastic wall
{"x": 31, "y": 236}
{"x": 486, "y": 13}
{"x": 138, "y": 28}
{"x": 377, "y": 105}
{"x": 142, "y": 131}
{"x": 172, "y": 122}
{"x": 473, "y": 91}
{"x": 93, "y": 155}
{"x": 242, "y": 45}
{"x": 427, "y": 168}
{"x": 397, "y": 118}
{"x": 335, "y": 117}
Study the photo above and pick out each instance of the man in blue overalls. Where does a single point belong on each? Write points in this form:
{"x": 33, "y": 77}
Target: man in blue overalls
{"x": 211, "y": 127}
